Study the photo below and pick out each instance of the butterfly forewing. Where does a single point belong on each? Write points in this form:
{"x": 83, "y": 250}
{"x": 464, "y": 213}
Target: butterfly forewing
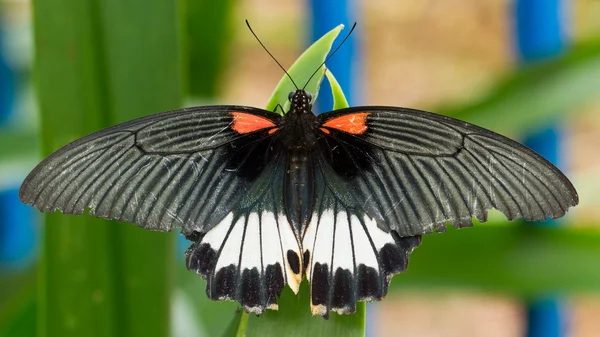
{"x": 155, "y": 171}
{"x": 413, "y": 171}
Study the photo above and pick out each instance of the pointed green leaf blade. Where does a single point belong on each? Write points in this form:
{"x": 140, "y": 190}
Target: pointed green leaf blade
{"x": 303, "y": 68}
{"x": 339, "y": 99}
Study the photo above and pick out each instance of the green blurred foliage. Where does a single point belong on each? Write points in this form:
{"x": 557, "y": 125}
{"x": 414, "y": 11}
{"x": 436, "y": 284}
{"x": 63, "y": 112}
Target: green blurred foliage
{"x": 538, "y": 95}
{"x": 507, "y": 258}
{"x": 207, "y": 34}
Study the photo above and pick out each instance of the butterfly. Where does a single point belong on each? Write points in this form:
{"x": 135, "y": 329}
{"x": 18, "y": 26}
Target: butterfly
{"x": 341, "y": 198}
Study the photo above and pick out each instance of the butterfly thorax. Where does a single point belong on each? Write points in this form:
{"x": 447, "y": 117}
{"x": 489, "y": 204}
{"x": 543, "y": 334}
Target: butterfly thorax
{"x": 300, "y": 123}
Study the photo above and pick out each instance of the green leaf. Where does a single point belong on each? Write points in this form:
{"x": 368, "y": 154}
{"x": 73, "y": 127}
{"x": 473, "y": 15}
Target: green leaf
{"x": 18, "y": 314}
{"x": 207, "y": 35}
{"x": 20, "y": 321}
{"x": 538, "y": 95}
{"x": 237, "y": 326}
{"x": 19, "y": 152}
{"x": 212, "y": 315}
{"x": 339, "y": 99}
{"x": 294, "y": 319}
{"x": 18, "y": 143}
{"x": 97, "y": 65}
{"x": 302, "y": 69}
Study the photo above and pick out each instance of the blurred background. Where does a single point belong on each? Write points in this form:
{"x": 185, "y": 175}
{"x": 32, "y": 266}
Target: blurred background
{"x": 529, "y": 69}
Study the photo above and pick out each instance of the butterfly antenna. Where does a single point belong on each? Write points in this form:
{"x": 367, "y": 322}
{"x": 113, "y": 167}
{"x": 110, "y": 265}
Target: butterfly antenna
{"x": 330, "y": 55}
{"x": 273, "y": 57}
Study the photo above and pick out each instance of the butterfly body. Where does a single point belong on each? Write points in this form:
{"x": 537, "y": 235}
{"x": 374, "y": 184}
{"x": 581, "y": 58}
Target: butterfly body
{"x": 299, "y": 189}
{"x": 341, "y": 198}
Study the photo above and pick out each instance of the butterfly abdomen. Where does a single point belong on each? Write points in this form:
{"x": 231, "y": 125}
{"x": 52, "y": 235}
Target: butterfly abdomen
{"x": 298, "y": 189}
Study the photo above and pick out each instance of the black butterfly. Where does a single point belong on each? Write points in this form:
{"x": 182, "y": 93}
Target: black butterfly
{"x": 342, "y": 197}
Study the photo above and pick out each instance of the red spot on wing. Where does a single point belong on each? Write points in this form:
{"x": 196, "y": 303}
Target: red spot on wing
{"x": 355, "y": 123}
{"x": 245, "y": 122}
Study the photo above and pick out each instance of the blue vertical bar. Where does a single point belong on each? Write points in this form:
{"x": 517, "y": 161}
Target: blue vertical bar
{"x": 540, "y": 34}
{"x": 17, "y": 227}
{"x": 18, "y": 233}
{"x": 325, "y": 15}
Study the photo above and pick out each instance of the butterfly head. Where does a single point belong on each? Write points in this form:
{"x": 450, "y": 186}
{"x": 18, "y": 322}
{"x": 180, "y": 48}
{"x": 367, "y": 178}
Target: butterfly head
{"x": 301, "y": 100}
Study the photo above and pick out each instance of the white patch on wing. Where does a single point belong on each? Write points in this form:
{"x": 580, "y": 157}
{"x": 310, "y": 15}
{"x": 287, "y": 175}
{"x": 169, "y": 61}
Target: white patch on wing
{"x": 230, "y": 254}
{"x": 289, "y": 242}
{"x": 365, "y": 254}
{"x": 380, "y": 238}
{"x": 271, "y": 246}
{"x": 216, "y": 235}
{"x": 342, "y": 255}
{"x": 324, "y": 240}
{"x": 251, "y": 251}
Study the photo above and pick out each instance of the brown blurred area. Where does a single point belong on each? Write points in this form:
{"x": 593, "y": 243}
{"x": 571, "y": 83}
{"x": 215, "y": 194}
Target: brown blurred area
{"x": 421, "y": 54}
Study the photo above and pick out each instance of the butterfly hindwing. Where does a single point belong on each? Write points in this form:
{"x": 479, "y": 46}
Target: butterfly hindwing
{"x": 348, "y": 257}
{"x": 253, "y": 252}
{"x": 155, "y": 171}
{"x": 414, "y": 171}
